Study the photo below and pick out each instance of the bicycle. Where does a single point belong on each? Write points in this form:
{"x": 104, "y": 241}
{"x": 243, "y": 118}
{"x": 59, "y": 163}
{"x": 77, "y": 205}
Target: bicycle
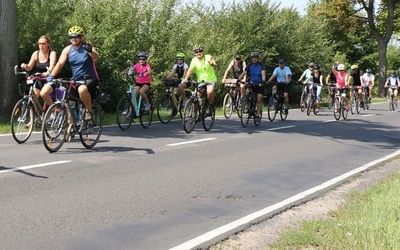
{"x": 249, "y": 107}
{"x": 312, "y": 99}
{"x": 303, "y": 97}
{"x": 231, "y": 100}
{"x": 65, "y": 118}
{"x": 392, "y": 98}
{"x": 129, "y": 108}
{"x": 28, "y": 111}
{"x": 355, "y": 101}
{"x": 331, "y": 95}
{"x": 339, "y": 108}
{"x": 197, "y": 109}
{"x": 366, "y": 98}
{"x": 170, "y": 105}
{"x": 275, "y": 105}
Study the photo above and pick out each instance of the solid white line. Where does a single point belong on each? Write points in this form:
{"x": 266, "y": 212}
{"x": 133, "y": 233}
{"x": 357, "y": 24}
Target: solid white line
{"x": 330, "y": 121}
{"x": 272, "y": 129}
{"x": 187, "y": 142}
{"x": 32, "y": 166}
{"x": 251, "y": 217}
{"x": 367, "y": 115}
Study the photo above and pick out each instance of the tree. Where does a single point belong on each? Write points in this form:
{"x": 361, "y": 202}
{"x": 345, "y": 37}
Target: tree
{"x": 8, "y": 57}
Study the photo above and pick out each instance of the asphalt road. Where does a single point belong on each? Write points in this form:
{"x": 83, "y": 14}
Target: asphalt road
{"x": 157, "y": 188}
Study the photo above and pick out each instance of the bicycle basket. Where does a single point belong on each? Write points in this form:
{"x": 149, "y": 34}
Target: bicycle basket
{"x": 170, "y": 83}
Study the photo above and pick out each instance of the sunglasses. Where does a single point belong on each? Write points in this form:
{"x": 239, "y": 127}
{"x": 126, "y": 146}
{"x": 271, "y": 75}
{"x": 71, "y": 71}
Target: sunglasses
{"x": 237, "y": 59}
{"x": 198, "y": 51}
{"x": 74, "y": 37}
{"x": 142, "y": 59}
{"x": 179, "y": 59}
{"x": 41, "y": 43}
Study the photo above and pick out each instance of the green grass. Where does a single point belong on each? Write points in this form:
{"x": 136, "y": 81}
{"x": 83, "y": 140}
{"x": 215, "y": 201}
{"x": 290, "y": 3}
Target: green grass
{"x": 367, "y": 221}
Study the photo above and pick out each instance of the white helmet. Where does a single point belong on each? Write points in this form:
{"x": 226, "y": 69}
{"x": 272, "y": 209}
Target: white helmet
{"x": 340, "y": 67}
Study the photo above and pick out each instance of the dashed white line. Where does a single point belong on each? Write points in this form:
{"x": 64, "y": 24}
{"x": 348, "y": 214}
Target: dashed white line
{"x": 279, "y": 128}
{"x": 188, "y": 142}
{"x": 32, "y": 166}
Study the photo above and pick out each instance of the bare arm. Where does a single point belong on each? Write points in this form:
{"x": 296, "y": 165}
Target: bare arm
{"x": 31, "y": 63}
{"x": 61, "y": 61}
{"x": 227, "y": 71}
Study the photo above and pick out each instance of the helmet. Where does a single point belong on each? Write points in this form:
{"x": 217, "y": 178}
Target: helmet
{"x": 237, "y": 56}
{"x": 368, "y": 70}
{"x": 180, "y": 55}
{"x": 142, "y": 54}
{"x": 198, "y": 47}
{"x": 316, "y": 66}
{"x": 75, "y": 30}
{"x": 311, "y": 64}
{"x": 393, "y": 72}
{"x": 254, "y": 54}
{"x": 354, "y": 66}
{"x": 335, "y": 65}
{"x": 340, "y": 67}
{"x": 281, "y": 61}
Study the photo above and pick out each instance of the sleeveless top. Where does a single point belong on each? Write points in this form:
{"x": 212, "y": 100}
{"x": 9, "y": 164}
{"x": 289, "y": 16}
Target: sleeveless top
{"x": 81, "y": 63}
{"x": 316, "y": 79}
{"x": 237, "y": 70}
{"x": 180, "y": 69}
{"x": 42, "y": 67}
{"x": 340, "y": 79}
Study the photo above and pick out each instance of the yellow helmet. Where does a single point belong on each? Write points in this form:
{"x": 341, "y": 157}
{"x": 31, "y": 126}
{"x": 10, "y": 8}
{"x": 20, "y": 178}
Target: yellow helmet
{"x": 354, "y": 66}
{"x": 75, "y": 31}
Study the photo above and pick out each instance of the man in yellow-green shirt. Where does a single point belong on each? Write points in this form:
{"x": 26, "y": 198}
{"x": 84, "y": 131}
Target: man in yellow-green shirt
{"x": 203, "y": 66}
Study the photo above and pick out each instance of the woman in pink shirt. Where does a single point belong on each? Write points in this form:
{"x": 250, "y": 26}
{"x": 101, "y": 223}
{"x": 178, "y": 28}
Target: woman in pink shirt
{"x": 342, "y": 80}
{"x": 143, "y": 77}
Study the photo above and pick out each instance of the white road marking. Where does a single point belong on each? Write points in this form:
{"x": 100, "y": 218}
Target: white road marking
{"x": 191, "y": 244}
{"x": 188, "y": 142}
{"x": 330, "y": 121}
{"x": 32, "y": 166}
{"x": 367, "y": 115}
{"x": 272, "y": 129}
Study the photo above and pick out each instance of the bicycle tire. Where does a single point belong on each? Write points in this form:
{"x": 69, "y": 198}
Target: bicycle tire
{"x": 228, "y": 105}
{"x": 272, "y": 109}
{"x": 314, "y": 107}
{"x": 165, "y": 109}
{"x": 309, "y": 106}
{"x": 54, "y": 127}
{"x": 208, "y": 116}
{"x": 237, "y": 102}
{"x": 22, "y": 119}
{"x": 337, "y": 109}
{"x": 283, "y": 114}
{"x": 146, "y": 117}
{"x": 368, "y": 101}
{"x": 125, "y": 113}
{"x": 303, "y": 102}
{"x": 345, "y": 111}
{"x": 353, "y": 105}
{"x": 257, "y": 121}
{"x": 189, "y": 116}
{"x": 244, "y": 113}
{"x": 358, "y": 107}
{"x": 90, "y": 131}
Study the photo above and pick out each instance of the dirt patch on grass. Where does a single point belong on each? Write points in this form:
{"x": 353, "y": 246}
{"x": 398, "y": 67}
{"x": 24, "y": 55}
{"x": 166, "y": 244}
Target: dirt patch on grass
{"x": 261, "y": 235}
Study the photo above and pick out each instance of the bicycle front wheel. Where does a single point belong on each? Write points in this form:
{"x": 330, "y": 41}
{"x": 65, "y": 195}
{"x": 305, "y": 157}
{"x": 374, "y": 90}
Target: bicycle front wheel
{"x": 228, "y": 106}
{"x": 22, "y": 119}
{"x": 54, "y": 127}
{"x": 337, "y": 109}
{"x": 257, "y": 120}
{"x": 358, "y": 105}
{"x": 244, "y": 113}
{"x": 272, "y": 108}
{"x": 146, "y": 117}
{"x": 208, "y": 116}
{"x": 353, "y": 106}
{"x": 345, "y": 111}
{"x": 330, "y": 101}
{"x": 125, "y": 113}
{"x": 309, "y": 106}
{"x": 189, "y": 116}
{"x": 165, "y": 109}
{"x": 90, "y": 131}
{"x": 303, "y": 103}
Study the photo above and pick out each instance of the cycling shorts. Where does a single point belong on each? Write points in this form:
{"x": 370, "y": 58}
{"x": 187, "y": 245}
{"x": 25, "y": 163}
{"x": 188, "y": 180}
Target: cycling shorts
{"x": 90, "y": 84}
{"x": 257, "y": 89}
{"x": 282, "y": 86}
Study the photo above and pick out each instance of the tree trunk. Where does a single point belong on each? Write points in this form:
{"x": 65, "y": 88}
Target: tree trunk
{"x": 8, "y": 57}
{"x": 382, "y": 47}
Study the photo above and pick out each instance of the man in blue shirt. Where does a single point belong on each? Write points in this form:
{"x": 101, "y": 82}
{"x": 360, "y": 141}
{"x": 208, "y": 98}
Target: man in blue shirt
{"x": 283, "y": 76}
{"x": 256, "y": 71}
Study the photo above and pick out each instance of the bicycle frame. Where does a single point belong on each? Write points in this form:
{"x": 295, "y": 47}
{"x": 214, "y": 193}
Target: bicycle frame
{"x": 136, "y": 104}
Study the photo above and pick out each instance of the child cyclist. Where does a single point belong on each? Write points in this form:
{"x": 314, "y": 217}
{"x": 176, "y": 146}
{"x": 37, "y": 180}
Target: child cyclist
{"x": 142, "y": 71}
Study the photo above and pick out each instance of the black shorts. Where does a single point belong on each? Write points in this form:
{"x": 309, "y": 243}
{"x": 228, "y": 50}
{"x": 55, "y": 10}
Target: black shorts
{"x": 90, "y": 84}
{"x": 283, "y": 87}
{"x": 257, "y": 89}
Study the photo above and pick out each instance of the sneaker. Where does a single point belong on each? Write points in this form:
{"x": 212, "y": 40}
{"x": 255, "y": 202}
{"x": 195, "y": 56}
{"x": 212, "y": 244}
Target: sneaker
{"x": 147, "y": 107}
{"x": 88, "y": 115}
{"x": 316, "y": 109}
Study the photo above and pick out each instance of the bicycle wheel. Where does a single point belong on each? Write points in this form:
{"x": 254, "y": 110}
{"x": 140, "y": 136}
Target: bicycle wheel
{"x": 391, "y": 103}
{"x": 54, "y": 127}
{"x": 125, "y": 113}
{"x": 257, "y": 120}
{"x": 228, "y": 106}
{"x": 345, "y": 111}
{"x": 358, "y": 107}
{"x": 303, "y": 102}
{"x": 245, "y": 113}
{"x": 282, "y": 113}
{"x": 353, "y": 105}
{"x": 90, "y": 131}
{"x": 330, "y": 101}
{"x": 189, "y": 116}
{"x": 272, "y": 108}
{"x": 165, "y": 109}
{"x": 22, "y": 119}
{"x": 146, "y": 117}
{"x": 208, "y": 116}
{"x": 337, "y": 108}
{"x": 368, "y": 101}
{"x": 237, "y": 102}
{"x": 314, "y": 107}
{"x": 309, "y": 105}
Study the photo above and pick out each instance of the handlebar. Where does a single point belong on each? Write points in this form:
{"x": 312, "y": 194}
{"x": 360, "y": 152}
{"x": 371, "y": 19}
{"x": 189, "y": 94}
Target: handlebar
{"x": 26, "y": 73}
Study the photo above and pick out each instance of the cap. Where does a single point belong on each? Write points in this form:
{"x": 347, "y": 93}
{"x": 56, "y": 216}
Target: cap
{"x": 281, "y": 61}
{"x": 237, "y": 56}
{"x": 311, "y": 64}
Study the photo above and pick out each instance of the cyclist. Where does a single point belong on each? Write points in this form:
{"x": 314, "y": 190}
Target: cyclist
{"x": 356, "y": 78}
{"x": 257, "y": 74}
{"x": 142, "y": 70}
{"x": 180, "y": 69}
{"x": 81, "y": 57}
{"x": 393, "y": 81}
{"x": 237, "y": 66}
{"x": 307, "y": 73}
{"x": 368, "y": 80}
{"x": 283, "y": 76}
{"x": 317, "y": 78}
{"x": 331, "y": 79}
{"x": 203, "y": 65}
{"x": 43, "y": 61}
{"x": 342, "y": 80}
